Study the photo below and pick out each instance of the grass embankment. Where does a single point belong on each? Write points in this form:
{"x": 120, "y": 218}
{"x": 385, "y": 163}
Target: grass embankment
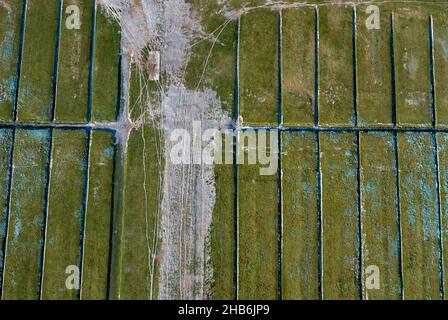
{"x": 300, "y": 216}
{"x": 74, "y": 64}
{"x": 10, "y": 22}
{"x": 36, "y": 79}
{"x": 65, "y": 210}
{"x": 29, "y": 180}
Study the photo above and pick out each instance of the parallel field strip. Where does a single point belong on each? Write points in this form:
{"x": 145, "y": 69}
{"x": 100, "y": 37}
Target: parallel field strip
{"x": 316, "y": 129}
{"x": 89, "y": 128}
{"x": 395, "y": 129}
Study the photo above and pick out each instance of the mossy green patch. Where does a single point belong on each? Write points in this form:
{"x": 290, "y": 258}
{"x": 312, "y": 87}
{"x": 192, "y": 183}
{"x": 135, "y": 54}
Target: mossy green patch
{"x": 29, "y": 180}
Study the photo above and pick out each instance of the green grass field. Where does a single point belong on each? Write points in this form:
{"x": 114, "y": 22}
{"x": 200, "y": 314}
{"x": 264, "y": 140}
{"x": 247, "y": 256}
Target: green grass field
{"x": 105, "y": 68}
{"x": 26, "y": 220}
{"x": 73, "y": 66}
{"x": 347, "y": 197}
{"x": 98, "y": 219}
{"x": 35, "y": 91}
{"x": 10, "y": 17}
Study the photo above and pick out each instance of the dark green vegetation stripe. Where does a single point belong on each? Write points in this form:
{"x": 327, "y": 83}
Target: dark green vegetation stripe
{"x": 258, "y": 212}
{"x": 73, "y": 62}
{"x": 105, "y": 68}
{"x": 36, "y": 80}
{"x": 64, "y": 213}
{"x": 98, "y": 217}
{"x": 258, "y": 68}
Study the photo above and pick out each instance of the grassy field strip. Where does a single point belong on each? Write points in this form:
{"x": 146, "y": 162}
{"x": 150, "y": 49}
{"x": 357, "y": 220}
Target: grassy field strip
{"x": 6, "y": 138}
{"x": 374, "y": 65}
{"x": 222, "y": 233}
{"x": 298, "y": 66}
{"x": 419, "y": 216}
{"x": 336, "y": 99}
{"x": 300, "y": 216}
{"x": 258, "y": 238}
{"x": 106, "y": 68}
{"x": 139, "y": 215}
{"x": 440, "y": 31}
{"x": 64, "y": 218}
{"x": 258, "y": 68}
{"x": 36, "y": 79}
{"x": 26, "y": 219}
{"x": 210, "y": 65}
{"x": 74, "y": 65}
{"x": 442, "y": 139}
{"x": 340, "y": 247}
{"x": 10, "y": 26}
{"x": 140, "y": 202}
{"x": 98, "y": 217}
{"x": 412, "y": 56}
{"x": 220, "y": 76}
{"x": 380, "y": 232}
